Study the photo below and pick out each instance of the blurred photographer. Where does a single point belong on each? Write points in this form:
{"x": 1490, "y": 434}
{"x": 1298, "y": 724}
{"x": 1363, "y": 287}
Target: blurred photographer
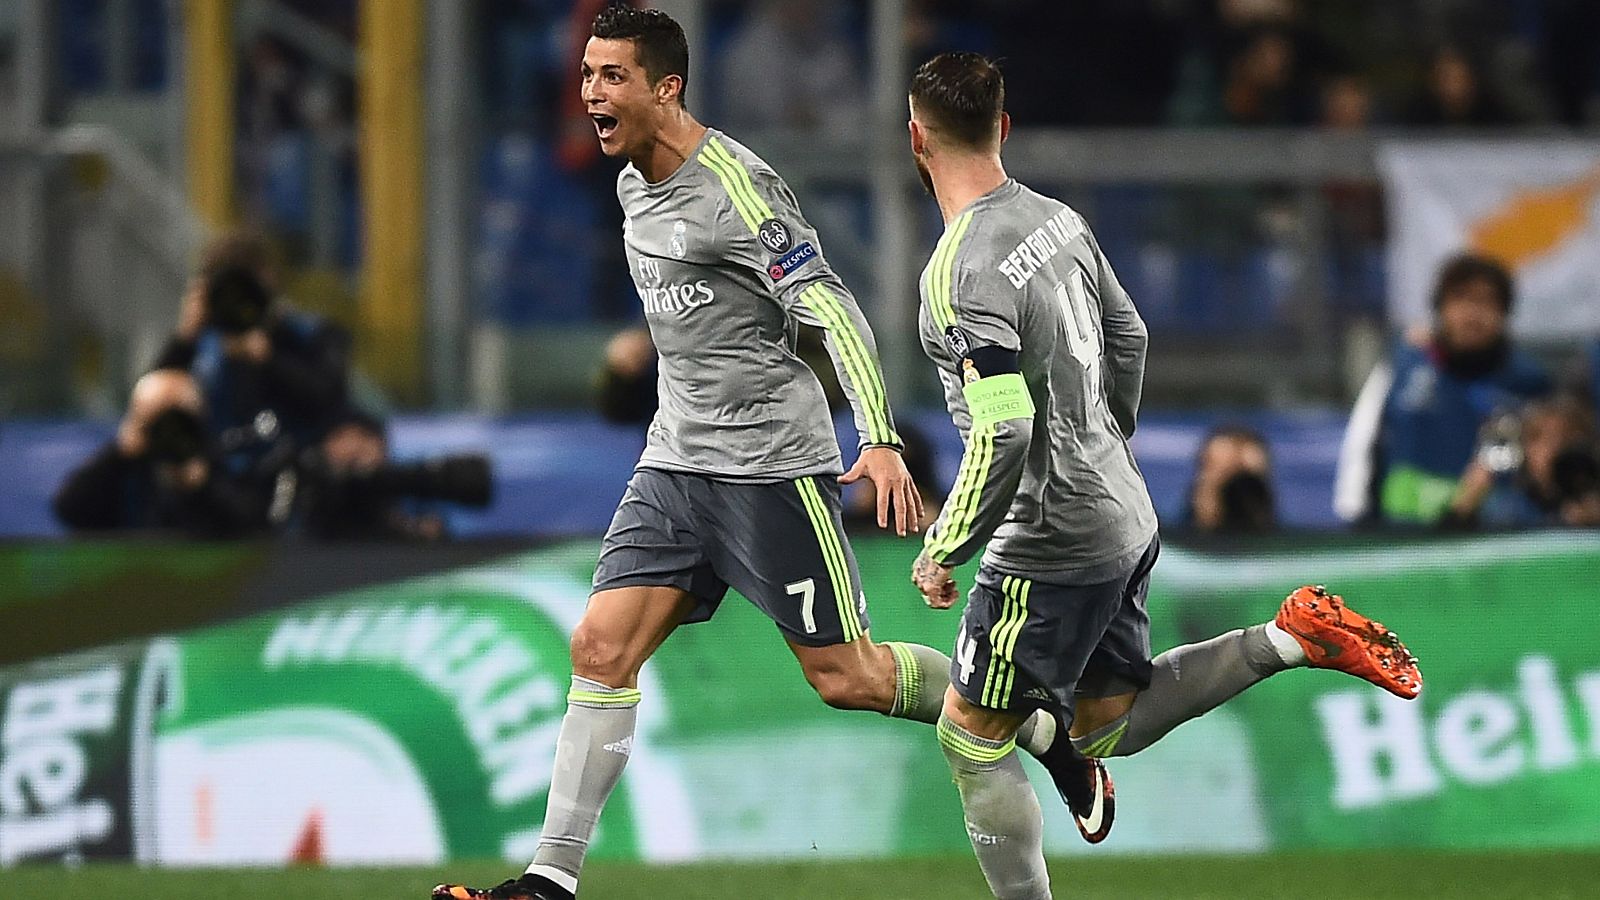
{"x": 161, "y": 471}
{"x": 626, "y": 387}
{"x": 349, "y": 488}
{"x": 254, "y": 356}
{"x": 1537, "y": 468}
{"x": 1232, "y": 488}
{"x": 1417, "y": 419}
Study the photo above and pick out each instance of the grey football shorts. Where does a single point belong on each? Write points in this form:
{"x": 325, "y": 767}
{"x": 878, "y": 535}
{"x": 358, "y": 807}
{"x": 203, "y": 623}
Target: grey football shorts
{"x": 1026, "y": 643}
{"x": 780, "y": 544}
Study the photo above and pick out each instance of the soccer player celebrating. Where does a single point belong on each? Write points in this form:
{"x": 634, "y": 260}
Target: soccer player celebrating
{"x": 735, "y": 485}
{"x": 1042, "y": 357}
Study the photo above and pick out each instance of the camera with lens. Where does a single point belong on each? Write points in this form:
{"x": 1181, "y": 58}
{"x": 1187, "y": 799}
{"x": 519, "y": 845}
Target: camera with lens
{"x": 1575, "y": 474}
{"x": 347, "y": 502}
{"x": 460, "y": 478}
{"x": 236, "y": 299}
{"x": 175, "y": 436}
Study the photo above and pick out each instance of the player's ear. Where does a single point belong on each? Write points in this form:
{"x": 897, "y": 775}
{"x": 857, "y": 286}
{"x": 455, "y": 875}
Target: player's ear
{"x": 919, "y": 137}
{"x": 1005, "y": 126}
{"x": 668, "y": 89}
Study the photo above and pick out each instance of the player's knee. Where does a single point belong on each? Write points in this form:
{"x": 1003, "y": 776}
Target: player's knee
{"x": 600, "y": 657}
{"x": 1091, "y": 714}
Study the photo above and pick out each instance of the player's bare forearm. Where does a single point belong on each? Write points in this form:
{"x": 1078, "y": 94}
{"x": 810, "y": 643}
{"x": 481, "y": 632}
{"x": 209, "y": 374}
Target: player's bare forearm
{"x": 895, "y": 490}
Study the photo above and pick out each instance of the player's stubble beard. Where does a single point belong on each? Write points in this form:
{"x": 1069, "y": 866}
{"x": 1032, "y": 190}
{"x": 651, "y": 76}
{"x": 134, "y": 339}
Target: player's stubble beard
{"x": 927, "y": 176}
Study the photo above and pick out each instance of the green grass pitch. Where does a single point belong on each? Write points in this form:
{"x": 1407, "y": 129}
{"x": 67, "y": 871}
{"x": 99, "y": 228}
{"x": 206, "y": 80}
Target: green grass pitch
{"x": 1324, "y": 876}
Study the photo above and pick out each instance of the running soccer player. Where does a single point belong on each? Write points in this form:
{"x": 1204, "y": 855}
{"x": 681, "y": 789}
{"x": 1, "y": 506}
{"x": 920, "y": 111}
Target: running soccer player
{"x": 735, "y": 486}
{"x": 1042, "y": 357}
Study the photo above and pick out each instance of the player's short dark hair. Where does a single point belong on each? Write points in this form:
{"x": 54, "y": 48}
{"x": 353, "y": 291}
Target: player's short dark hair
{"x": 1467, "y": 268}
{"x": 962, "y": 95}
{"x": 657, "y": 39}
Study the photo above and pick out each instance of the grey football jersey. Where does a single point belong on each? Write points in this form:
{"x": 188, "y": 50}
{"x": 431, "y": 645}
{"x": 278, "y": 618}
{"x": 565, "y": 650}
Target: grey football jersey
{"x": 1018, "y": 296}
{"x": 728, "y": 269}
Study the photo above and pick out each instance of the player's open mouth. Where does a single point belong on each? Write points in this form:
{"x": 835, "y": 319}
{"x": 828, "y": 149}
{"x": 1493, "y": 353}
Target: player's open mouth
{"x": 605, "y": 126}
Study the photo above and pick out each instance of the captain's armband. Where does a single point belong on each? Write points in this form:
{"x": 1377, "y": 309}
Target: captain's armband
{"x": 998, "y": 398}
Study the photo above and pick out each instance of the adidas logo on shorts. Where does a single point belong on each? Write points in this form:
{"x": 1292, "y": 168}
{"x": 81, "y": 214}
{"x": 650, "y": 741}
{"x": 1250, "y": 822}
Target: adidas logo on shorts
{"x": 624, "y": 746}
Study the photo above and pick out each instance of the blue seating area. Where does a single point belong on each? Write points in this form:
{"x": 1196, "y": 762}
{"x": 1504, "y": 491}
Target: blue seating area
{"x": 561, "y": 473}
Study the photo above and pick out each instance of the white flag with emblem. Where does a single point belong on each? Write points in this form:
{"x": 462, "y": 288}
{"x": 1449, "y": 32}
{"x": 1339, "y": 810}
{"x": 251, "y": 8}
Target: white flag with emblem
{"x": 1533, "y": 205}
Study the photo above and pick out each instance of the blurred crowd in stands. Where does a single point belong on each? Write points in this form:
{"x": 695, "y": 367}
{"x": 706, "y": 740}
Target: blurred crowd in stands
{"x": 247, "y": 422}
{"x": 546, "y": 193}
{"x": 246, "y": 425}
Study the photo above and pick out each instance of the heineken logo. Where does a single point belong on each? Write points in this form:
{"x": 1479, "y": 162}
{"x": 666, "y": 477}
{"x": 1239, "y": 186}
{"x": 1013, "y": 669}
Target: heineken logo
{"x": 508, "y": 704}
{"x": 49, "y": 725}
{"x": 1386, "y": 749}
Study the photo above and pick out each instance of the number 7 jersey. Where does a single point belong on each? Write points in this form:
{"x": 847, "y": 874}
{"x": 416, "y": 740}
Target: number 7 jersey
{"x": 1041, "y": 354}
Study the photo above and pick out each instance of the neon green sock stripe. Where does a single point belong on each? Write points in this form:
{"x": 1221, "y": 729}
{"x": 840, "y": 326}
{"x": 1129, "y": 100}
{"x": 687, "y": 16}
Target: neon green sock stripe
{"x": 730, "y": 184}
{"x": 838, "y": 574}
{"x": 908, "y": 683}
{"x": 1105, "y": 745}
{"x": 952, "y": 738}
{"x": 876, "y": 400}
{"x": 621, "y": 697}
{"x": 853, "y": 355}
{"x": 1021, "y": 587}
{"x": 742, "y": 174}
{"x": 980, "y": 454}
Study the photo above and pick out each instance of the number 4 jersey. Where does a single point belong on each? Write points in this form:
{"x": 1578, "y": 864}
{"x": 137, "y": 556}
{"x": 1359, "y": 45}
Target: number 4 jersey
{"x": 1041, "y": 353}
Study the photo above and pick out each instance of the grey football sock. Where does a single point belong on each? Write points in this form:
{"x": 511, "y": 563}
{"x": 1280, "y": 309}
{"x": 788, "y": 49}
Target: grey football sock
{"x": 1188, "y": 681}
{"x": 1001, "y": 811}
{"x": 921, "y": 676}
{"x": 1037, "y": 733}
{"x": 594, "y": 744}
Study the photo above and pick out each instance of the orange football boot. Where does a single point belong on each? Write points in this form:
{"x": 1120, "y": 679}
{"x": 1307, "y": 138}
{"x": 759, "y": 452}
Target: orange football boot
{"x": 1335, "y": 636}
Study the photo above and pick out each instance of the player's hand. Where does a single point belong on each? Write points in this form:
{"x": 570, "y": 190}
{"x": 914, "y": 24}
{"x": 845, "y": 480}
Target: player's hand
{"x": 936, "y": 583}
{"x": 887, "y": 471}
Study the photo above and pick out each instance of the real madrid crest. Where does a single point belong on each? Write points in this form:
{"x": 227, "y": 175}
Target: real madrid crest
{"x": 680, "y": 239}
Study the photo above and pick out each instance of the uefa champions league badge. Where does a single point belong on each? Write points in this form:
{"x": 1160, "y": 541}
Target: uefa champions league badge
{"x": 775, "y": 236}
{"x": 680, "y": 239}
{"x": 958, "y": 341}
